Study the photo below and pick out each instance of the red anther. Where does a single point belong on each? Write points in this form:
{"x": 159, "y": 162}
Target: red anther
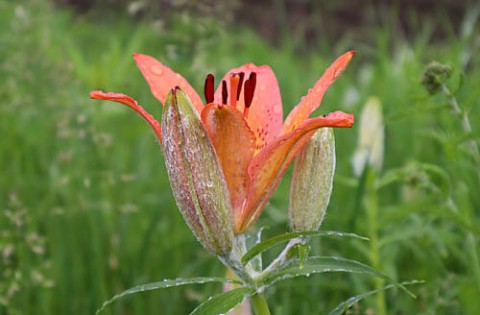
{"x": 253, "y": 79}
{"x": 209, "y": 88}
{"x": 240, "y": 84}
{"x": 224, "y": 92}
{"x": 250, "y": 89}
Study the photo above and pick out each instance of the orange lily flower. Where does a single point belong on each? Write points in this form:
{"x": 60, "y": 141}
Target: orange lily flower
{"x": 244, "y": 121}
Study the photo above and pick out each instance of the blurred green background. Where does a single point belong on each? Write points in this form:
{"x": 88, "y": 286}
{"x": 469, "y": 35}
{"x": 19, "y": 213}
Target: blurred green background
{"x": 86, "y": 210}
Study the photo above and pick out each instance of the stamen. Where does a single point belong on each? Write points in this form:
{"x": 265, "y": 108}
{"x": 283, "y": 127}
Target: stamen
{"x": 240, "y": 84}
{"x": 209, "y": 88}
{"x": 253, "y": 79}
{"x": 224, "y": 92}
{"x": 234, "y": 78}
{"x": 249, "y": 89}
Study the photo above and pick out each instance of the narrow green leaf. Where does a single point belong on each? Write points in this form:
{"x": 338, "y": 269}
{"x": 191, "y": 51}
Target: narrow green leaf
{"x": 269, "y": 243}
{"x": 162, "y": 285}
{"x": 223, "y": 302}
{"x": 323, "y": 264}
{"x": 342, "y": 307}
{"x": 319, "y": 264}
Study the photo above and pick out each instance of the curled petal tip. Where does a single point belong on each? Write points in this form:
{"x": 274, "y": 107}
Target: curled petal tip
{"x": 130, "y": 102}
{"x": 112, "y": 96}
{"x": 343, "y": 120}
{"x": 96, "y": 94}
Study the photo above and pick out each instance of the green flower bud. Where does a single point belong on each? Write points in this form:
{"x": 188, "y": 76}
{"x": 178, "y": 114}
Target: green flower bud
{"x": 435, "y": 75}
{"x": 196, "y": 178}
{"x": 312, "y": 181}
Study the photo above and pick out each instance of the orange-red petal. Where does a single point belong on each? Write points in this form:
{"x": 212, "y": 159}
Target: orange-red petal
{"x": 162, "y": 80}
{"x": 268, "y": 166}
{"x": 265, "y": 113}
{"x": 234, "y": 144}
{"x": 312, "y": 100}
{"x": 130, "y": 102}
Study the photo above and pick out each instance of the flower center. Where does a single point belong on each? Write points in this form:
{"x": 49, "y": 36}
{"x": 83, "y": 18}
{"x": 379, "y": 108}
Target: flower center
{"x": 236, "y": 83}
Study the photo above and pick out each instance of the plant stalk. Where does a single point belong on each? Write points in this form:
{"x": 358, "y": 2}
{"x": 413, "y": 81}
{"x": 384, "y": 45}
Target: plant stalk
{"x": 475, "y": 152}
{"x": 371, "y": 204}
{"x": 467, "y": 126}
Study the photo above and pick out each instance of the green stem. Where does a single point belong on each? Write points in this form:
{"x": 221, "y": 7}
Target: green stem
{"x": 373, "y": 231}
{"x": 259, "y": 304}
{"x": 467, "y": 126}
{"x": 475, "y": 152}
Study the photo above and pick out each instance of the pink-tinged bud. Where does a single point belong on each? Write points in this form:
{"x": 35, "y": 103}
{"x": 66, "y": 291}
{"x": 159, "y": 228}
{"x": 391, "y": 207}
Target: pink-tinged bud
{"x": 312, "y": 182}
{"x": 196, "y": 178}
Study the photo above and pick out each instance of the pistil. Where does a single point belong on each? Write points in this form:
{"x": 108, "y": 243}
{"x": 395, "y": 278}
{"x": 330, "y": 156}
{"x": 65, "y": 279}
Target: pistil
{"x": 234, "y": 80}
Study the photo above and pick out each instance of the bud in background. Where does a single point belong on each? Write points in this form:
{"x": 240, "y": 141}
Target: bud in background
{"x": 312, "y": 182}
{"x": 196, "y": 178}
{"x": 435, "y": 75}
{"x": 370, "y": 149}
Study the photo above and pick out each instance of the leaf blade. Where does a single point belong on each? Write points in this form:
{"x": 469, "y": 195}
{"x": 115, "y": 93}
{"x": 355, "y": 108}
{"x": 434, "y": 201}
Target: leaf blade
{"x": 223, "y": 302}
{"x": 343, "y": 306}
{"x": 167, "y": 283}
{"x": 269, "y": 243}
{"x": 320, "y": 264}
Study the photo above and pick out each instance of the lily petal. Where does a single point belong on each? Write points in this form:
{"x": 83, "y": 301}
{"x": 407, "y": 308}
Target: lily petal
{"x": 268, "y": 166}
{"x": 312, "y": 100}
{"x": 265, "y": 113}
{"x": 224, "y": 124}
{"x": 130, "y": 102}
{"x": 162, "y": 80}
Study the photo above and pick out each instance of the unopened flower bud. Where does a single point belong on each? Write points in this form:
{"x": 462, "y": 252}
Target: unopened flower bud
{"x": 435, "y": 75}
{"x": 370, "y": 147}
{"x": 312, "y": 181}
{"x": 196, "y": 178}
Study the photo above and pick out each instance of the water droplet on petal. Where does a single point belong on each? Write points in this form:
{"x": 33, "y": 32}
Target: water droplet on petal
{"x": 277, "y": 109}
{"x": 156, "y": 70}
{"x": 338, "y": 73}
{"x": 157, "y": 94}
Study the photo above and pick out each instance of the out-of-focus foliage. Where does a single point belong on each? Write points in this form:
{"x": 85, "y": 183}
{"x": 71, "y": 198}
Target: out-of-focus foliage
{"x": 85, "y": 207}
